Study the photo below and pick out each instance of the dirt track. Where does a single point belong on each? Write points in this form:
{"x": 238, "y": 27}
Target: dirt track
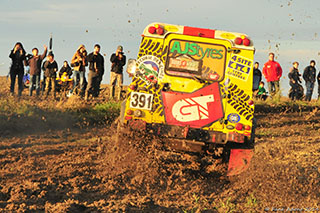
{"x": 58, "y": 164}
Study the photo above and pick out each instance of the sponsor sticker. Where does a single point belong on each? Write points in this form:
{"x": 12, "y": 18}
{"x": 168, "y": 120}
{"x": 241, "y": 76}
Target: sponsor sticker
{"x": 239, "y": 67}
{"x": 196, "y": 109}
{"x": 150, "y": 69}
{"x": 233, "y": 118}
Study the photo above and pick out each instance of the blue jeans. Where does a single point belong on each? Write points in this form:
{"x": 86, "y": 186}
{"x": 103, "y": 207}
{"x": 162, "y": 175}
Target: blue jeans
{"x": 34, "y": 80}
{"x": 76, "y": 75}
{"x": 309, "y": 86}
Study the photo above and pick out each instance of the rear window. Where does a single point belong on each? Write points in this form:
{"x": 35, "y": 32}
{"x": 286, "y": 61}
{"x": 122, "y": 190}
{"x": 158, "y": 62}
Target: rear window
{"x": 194, "y": 59}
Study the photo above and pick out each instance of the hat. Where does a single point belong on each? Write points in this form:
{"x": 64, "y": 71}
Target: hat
{"x": 120, "y": 48}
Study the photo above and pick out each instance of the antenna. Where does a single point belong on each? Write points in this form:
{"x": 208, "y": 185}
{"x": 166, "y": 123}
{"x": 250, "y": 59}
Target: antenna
{"x": 50, "y": 43}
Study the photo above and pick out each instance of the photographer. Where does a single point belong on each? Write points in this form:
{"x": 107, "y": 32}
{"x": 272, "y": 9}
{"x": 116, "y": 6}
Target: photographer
{"x": 18, "y": 56}
{"x": 118, "y": 60}
{"x": 79, "y": 62}
{"x": 96, "y": 70}
{"x": 50, "y": 67}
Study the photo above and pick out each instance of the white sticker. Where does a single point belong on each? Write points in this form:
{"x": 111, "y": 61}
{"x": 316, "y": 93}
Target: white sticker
{"x": 140, "y": 100}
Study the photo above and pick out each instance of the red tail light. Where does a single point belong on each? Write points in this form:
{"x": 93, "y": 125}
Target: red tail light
{"x": 247, "y": 127}
{"x": 159, "y": 29}
{"x": 246, "y": 42}
{"x": 239, "y": 126}
{"x": 129, "y": 112}
{"x": 132, "y": 87}
{"x": 242, "y": 41}
{"x": 250, "y": 102}
{"x": 238, "y": 41}
{"x": 152, "y": 30}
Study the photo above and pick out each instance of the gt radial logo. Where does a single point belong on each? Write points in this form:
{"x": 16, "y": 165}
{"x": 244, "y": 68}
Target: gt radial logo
{"x": 196, "y": 109}
{"x": 192, "y": 109}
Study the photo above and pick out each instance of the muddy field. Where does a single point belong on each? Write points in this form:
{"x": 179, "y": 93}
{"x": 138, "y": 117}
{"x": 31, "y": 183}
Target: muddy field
{"x": 54, "y": 159}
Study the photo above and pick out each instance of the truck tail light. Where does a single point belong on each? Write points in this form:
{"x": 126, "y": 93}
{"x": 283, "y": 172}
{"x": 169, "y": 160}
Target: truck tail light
{"x": 239, "y": 126}
{"x": 129, "y": 112}
{"x": 238, "y": 41}
{"x": 152, "y": 30}
{"x": 242, "y": 40}
{"x": 132, "y": 87}
{"x": 247, "y": 127}
{"x": 157, "y": 28}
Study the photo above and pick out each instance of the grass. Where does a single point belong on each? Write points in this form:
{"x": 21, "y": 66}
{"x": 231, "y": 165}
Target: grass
{"x": 28, "y": 113}
{"x": 103, "y": 113}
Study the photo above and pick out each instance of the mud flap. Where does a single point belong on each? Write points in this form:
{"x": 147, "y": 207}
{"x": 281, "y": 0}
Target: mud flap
{"x": 239, "y": 161}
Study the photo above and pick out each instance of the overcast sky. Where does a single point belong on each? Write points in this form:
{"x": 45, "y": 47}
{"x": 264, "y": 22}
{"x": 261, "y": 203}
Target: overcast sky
{"x": 290, "y": 28}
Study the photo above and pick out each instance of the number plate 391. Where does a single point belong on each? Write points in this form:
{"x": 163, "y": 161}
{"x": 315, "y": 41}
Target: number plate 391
{"x": 140, "y": 100}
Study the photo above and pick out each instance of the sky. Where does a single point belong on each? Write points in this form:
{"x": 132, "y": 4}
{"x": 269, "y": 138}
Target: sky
{"x": 290, "y": 28}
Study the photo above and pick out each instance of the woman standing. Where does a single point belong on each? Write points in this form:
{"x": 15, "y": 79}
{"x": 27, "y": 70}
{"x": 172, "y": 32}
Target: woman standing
{"x": 79, "y": 62}
{"x": 18, "y": 57}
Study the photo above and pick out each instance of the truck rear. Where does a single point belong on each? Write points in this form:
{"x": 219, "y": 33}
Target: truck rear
{"x": 193, "y": 87}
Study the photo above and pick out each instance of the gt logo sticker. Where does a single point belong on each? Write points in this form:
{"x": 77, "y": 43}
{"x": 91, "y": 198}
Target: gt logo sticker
{"x": 196, "y": 109}
{"x": 192, "y": 109}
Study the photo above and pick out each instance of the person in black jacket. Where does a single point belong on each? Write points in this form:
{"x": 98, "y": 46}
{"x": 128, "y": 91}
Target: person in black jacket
{"x": 51, "y": 67}
{"x": 18, "y": 57}
{"x": 65, "y": 68}
{"x": 96, "y": 70}
{"x": 257, "y": 75}
{"x": 294, "y": 77}
{"x": 309, "y": 75}
{"x": 118, "y": 60}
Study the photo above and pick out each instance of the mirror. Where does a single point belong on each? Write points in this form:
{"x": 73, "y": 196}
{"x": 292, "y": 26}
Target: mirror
{"x": 131, "y": 67}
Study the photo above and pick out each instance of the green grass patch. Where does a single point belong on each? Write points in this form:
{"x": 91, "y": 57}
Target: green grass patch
{"x": 100, "y": 114}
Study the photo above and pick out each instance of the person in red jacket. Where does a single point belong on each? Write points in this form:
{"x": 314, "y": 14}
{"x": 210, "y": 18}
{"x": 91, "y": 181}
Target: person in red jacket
{"x": 272, "y": 71}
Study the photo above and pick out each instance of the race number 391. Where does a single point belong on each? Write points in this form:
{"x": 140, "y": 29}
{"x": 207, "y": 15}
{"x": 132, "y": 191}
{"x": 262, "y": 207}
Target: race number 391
{"x": 140, "y": 100}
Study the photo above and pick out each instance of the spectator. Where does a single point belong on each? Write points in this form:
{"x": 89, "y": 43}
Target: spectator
{"x": 96, "y": 70}
{"x": 51, "y": 67}
{"x": 18, "y": 57}
{"x": 318, "y": 79}
{"x": 256, "y": 77}
{"x": 118, "y": 60}
{"x": 262, "y": 93}
{"x": 294, "y": 77}
{"x": 272, "y": 71}
{"x": 78, "y": 63}
{"x": 35, "y": 69}
{"x": 65, "y": 68}
{"x": 309, "y": 75}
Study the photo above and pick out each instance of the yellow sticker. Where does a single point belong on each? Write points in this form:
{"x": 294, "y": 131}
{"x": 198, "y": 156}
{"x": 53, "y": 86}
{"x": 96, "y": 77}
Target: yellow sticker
{"x": 171, "y": 28}
{"x": 228, "y": 36}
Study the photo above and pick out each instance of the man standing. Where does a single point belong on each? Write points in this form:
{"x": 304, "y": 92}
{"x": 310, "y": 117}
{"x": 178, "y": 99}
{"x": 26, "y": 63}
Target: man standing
{"x": 96, "y": 70}
{"x": 272, "y": 71}
{"x": 35, "y": 69}
{"x": 256, "y": 78}
{"x": 309, "y": 75}
{"x": 50, "y": 67}
{"x": 118, "y": 60}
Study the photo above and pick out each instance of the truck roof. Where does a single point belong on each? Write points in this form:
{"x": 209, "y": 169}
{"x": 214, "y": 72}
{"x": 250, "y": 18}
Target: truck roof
{"x": 160, "y": 30}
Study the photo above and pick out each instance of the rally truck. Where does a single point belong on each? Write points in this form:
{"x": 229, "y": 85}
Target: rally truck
{"x": 193, "y": 88}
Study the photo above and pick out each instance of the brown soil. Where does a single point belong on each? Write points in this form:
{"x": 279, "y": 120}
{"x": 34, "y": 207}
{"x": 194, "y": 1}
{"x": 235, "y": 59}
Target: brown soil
{"x": 55, "y": 162}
